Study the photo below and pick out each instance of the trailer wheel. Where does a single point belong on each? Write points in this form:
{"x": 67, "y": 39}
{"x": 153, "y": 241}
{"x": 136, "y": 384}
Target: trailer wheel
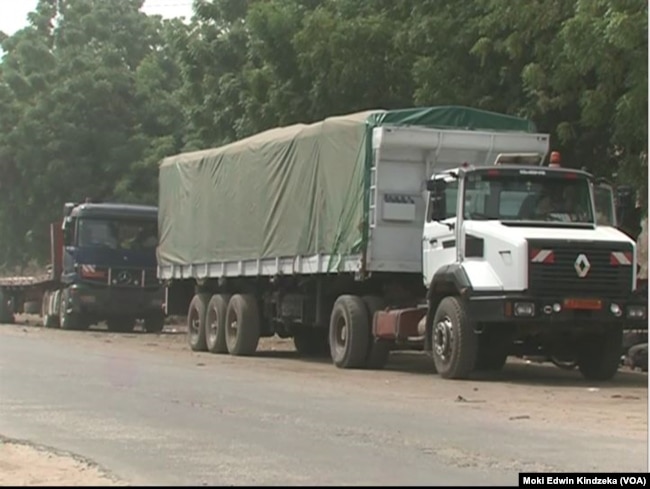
{"x": 349, "y": 332}
{"x": 379, "y": 350}
{"x": 242, "y": 325}
{"x": 154, "y": 324}
{"x": 311, "y": 342}
{"x": 215, "y": 325}
{"x": 196, "y": 322}
{"x": 599, "y": 355}
{"x": 455, "y": 344}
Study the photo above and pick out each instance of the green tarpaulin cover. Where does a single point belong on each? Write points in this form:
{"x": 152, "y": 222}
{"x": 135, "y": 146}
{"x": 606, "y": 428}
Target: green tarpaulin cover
{"x": 299, "y": 190}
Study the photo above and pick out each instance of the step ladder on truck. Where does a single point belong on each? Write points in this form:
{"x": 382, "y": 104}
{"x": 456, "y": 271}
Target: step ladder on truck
{"x": 435, "y": 228}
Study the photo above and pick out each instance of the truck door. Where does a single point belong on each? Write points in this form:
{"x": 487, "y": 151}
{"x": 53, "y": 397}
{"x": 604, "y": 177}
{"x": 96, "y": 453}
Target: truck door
{"x": 438, "y": 237}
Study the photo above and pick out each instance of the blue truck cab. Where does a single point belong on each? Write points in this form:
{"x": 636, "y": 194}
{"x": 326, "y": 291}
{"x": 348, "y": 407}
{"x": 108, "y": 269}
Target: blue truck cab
{"x": 108, "y": 268}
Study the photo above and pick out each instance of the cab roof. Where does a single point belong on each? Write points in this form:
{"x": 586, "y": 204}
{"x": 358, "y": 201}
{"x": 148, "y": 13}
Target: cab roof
{"x": 115, "y": 210}
{"x": 533, "y": 169}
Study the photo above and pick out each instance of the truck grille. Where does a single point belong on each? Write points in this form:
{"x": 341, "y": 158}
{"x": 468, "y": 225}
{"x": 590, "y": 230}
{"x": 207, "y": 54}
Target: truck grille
{"x": 120, "y": 277}
{"x": 555, "y": 268}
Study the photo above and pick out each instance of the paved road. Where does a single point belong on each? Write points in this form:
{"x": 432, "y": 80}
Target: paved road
{"x": 154, "y": 417}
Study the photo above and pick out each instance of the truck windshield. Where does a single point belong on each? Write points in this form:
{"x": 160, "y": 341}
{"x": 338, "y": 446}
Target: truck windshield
{"x": 125, "y": 234}
{"x": 520, "y": 195}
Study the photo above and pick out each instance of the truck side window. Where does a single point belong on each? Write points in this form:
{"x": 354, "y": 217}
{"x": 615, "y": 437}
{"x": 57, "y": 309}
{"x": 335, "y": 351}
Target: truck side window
{"x": 603, "y": 198}
{"x": 69, "y": 232}
{"x": 451, "y": 194}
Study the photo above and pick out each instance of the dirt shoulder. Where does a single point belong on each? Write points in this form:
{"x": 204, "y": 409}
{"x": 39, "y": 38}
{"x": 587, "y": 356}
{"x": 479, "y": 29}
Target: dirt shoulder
{"x": 24, "y": 464}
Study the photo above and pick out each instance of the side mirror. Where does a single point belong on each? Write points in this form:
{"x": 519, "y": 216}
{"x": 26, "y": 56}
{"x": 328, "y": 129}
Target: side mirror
{"x": 68, "y": 232}
{"x": 437, "y": 199}
{"x": 436, "y": 186}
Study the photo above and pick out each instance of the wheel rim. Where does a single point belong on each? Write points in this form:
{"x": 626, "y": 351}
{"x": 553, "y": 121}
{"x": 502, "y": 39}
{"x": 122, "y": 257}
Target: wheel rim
{"x": 213, "y": 326}
{"x": 232, "y": 327}
{"x": 194, "y": 325}
{"x": 341, "y": 333}
{"x": 443, "y": 338}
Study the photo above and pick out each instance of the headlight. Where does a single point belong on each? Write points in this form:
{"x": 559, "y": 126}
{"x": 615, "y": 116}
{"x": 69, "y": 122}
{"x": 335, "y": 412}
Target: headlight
{"x": 636, "y": 312}
{"x": 524, "y": 309}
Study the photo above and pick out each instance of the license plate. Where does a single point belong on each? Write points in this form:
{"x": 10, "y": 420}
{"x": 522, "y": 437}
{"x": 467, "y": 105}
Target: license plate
{"x": 584, "y": 304}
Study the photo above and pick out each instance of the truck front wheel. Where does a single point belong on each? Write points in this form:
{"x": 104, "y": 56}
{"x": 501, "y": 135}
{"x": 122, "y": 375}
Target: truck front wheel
{"x": 216, "y": 324}
{"x": 73, "y": 321}
{"x": 242, "y": 325}
{"x": 599, "y": 355}
{"x": 349, "y": 332}
{"x": 196, "y": 315}
{"x": 454, "y": 341}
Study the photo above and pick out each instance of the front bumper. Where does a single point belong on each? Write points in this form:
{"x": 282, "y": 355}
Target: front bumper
{"x": 106, "y": 301}
{"x": 557, "y": 311}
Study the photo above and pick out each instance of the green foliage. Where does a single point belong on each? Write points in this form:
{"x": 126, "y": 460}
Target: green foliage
{"x": 88, "y": 107}
{"x": 94, "y": 93}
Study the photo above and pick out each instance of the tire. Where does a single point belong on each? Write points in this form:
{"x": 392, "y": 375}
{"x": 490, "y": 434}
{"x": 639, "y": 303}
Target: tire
{"x": 349, "y": 332}
{"x": 154, "y": 324}
{"x": 638, "y": 356}
{"x": 196, "y": 322}
{"x": 455, "y": 344}
{"x": 599, "y": 355}
{"x": 49, "y": 320}
{"x": 378, "y": 350}
{"x": 311, "y": 342}
{"x": 6, "y": 314}
{"x": 73, "y": 321}
{"x": 215, "y": 325}
{"x": 242, "y": 325}
{"x": 120, "y": 324}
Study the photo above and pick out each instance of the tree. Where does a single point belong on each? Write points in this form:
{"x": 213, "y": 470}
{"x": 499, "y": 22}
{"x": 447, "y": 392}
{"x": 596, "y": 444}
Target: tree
{"x": 78, "y": 114}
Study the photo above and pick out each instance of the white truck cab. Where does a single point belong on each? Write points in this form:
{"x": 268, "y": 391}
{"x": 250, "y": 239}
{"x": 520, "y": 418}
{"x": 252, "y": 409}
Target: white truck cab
{"x": 513, "y": 256}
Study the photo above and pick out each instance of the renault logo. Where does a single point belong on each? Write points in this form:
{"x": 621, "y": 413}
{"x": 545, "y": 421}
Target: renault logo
{"x": 582, "y": 266}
